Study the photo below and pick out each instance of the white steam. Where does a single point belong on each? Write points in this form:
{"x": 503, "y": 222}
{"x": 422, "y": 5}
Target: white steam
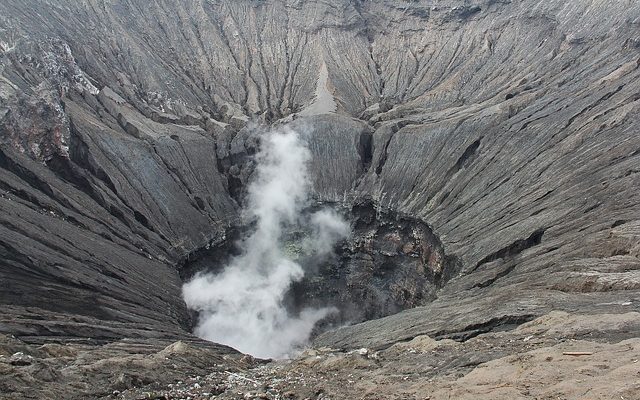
{"x": 243, "y": 305}
{"x": 328, "y": 228}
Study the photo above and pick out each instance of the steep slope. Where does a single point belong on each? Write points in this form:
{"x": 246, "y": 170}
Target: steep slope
{"x": 126, "y": 126}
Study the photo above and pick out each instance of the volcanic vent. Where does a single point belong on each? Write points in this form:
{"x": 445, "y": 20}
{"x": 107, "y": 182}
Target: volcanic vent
{"x": 299, "y": 266}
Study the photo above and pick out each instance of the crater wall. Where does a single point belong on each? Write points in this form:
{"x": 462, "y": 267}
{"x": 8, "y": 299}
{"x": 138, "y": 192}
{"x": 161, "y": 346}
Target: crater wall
{"x": 510, "y": 128}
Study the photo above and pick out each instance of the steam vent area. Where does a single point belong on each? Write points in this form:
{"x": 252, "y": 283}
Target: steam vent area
{"x": 319, "y": 199}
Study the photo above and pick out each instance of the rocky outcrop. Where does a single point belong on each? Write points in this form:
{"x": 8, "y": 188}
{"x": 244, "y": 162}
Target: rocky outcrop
{"x": 78, "y": 371}
{"x": 127, "y": 129}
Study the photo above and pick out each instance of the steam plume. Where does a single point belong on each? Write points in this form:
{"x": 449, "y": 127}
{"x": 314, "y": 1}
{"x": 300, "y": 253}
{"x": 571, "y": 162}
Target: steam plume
{"x": 243, "y": 305}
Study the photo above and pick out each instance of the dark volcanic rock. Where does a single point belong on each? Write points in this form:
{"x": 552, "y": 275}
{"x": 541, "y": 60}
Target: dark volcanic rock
{"x": 126, "y": 130}
{"x": 389, "y": 263}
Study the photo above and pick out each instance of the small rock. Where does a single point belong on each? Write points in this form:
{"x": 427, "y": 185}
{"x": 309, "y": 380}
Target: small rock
{"x": 247, "y": 359}
{"x": 309, "y": 353}
{"x": 363, "y": 351}
{"x": 20, "y": 359}
{"x": 218, "y": 389}
{"x": 153, "y": 396}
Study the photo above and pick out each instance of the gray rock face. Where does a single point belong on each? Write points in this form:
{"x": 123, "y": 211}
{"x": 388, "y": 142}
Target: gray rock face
{"x": 126, "y": 130}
